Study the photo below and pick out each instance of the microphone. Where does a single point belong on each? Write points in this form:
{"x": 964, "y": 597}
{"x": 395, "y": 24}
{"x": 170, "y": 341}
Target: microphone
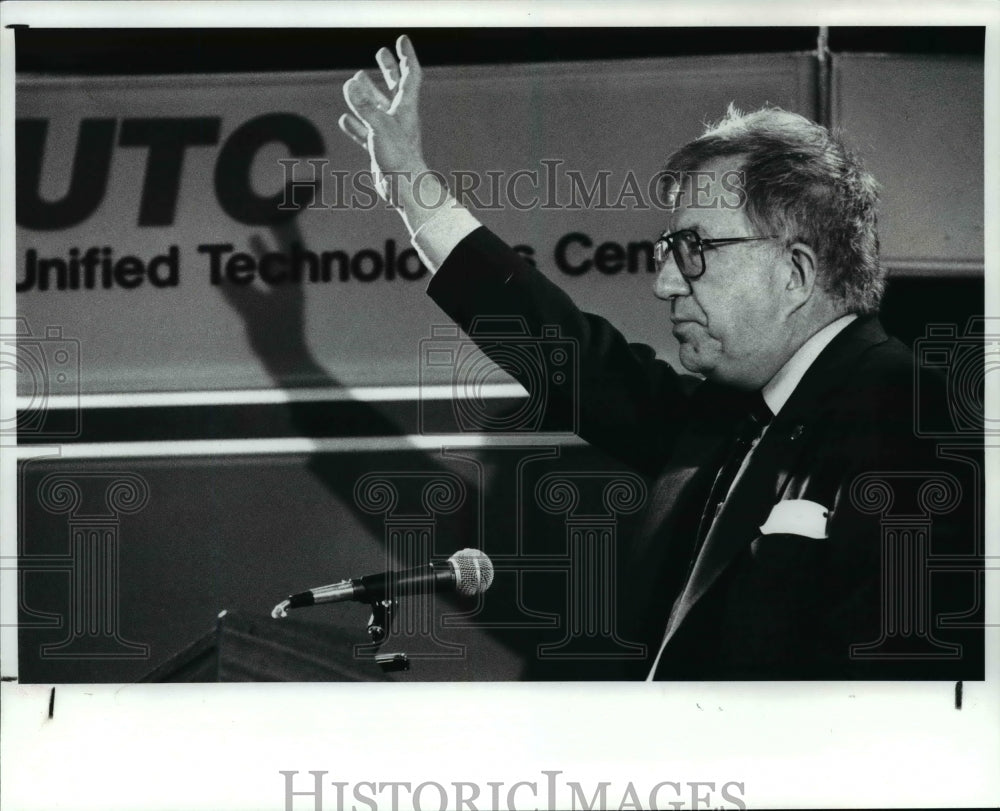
{"x": 468, "y": 571}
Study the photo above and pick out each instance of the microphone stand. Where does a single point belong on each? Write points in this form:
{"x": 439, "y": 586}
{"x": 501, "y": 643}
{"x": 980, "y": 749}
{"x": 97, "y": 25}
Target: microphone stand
{"x": 379, "y": 623}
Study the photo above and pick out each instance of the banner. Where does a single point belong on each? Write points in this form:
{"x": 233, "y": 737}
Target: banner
{"x": 198, "y": 232}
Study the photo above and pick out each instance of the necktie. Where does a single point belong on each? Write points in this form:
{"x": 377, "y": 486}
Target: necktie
{"x": 748, "y": 430}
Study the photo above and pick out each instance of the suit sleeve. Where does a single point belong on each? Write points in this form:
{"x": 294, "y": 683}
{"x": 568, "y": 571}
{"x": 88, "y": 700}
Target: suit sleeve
{"x": 619, "y": 397}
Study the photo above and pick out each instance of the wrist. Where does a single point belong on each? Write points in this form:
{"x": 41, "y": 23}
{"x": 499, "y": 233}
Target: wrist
{"x": 420, "y": 194}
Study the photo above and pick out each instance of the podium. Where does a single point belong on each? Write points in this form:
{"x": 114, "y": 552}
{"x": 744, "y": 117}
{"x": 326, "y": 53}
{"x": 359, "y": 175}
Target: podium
{"x": 247, "y": 648}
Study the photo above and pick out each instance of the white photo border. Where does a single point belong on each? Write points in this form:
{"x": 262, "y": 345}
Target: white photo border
{"x": 223, "y": 746}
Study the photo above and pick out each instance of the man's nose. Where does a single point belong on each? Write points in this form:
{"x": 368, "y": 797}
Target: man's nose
{"x": 669, "y": 281}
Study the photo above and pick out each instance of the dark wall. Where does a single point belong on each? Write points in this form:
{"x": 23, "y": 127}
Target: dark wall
{"x": 191, "y": 50}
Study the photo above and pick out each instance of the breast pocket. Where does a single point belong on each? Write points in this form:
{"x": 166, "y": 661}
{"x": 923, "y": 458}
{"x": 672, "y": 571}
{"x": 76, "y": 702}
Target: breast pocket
{"x": 797, "y": 516}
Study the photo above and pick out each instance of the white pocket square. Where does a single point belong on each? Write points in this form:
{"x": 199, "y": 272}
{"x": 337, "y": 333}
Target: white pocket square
{"x": 797, "y": 516}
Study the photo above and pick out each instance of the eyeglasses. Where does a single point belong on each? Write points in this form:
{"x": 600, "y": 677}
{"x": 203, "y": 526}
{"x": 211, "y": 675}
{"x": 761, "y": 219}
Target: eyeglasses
{"x": 688, "y": 250}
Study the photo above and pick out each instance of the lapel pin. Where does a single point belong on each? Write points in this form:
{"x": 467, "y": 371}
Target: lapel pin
{"x": 797, "y": 432}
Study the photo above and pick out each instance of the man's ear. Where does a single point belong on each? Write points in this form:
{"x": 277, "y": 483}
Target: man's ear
{"x": 801, "y": 273}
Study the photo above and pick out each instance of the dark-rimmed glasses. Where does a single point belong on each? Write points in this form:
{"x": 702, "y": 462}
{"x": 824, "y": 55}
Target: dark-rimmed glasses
{"x": 688, "y": 250}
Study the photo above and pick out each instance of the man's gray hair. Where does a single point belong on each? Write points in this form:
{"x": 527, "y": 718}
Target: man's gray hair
{"x": 802, "y": 183}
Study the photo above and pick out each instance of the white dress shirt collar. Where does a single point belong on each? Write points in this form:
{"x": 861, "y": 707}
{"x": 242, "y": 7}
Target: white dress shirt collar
{"x": 780, "y": 387}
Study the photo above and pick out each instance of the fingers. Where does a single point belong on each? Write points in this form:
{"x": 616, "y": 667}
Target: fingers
{"x": 369, "y": 106}
{"x": 410, "y": 72}
{"x": 354, "y": 129}
{"x": 390, "y": 70}
{"x": 366, "y": 101}
{"x": 371, "y": 91}
{"x": 407, "y": 54}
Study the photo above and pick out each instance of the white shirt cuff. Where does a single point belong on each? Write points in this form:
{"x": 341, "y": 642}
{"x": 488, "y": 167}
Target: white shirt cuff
{"x": 437, "y": 238}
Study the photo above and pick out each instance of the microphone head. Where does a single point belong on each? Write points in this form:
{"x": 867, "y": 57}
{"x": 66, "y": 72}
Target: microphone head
{"x": 473, "y": 571}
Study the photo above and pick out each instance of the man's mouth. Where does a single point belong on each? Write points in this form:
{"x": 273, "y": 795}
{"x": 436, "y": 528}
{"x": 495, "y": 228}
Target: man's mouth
{"x": 682, "y": 326}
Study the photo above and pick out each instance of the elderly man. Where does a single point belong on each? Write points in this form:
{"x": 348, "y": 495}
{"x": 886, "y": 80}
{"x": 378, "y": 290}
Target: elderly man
{"x": 763, "y": 553}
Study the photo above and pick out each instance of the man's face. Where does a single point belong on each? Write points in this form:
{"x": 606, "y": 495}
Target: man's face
{"x": 728, "y": 321}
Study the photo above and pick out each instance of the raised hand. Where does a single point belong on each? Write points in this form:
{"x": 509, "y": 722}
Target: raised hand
{"x": 388, "y": 128}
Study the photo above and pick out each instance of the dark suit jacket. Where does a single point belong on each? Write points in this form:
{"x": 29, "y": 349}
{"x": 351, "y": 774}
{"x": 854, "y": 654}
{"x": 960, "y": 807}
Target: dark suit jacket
{"x": 775, "y": 606}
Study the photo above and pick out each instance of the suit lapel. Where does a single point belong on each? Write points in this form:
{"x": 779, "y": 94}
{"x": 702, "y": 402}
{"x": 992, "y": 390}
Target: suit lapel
{"x": 660, "y": 540}
{"x": 658, "y": 560}
{"x": 765, "y": 477}
{"x": 742, "y": 513}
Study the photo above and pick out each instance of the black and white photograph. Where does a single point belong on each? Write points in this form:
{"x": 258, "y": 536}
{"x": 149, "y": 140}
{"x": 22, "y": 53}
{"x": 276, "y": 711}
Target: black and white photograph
{"x": 549, "y": 410}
